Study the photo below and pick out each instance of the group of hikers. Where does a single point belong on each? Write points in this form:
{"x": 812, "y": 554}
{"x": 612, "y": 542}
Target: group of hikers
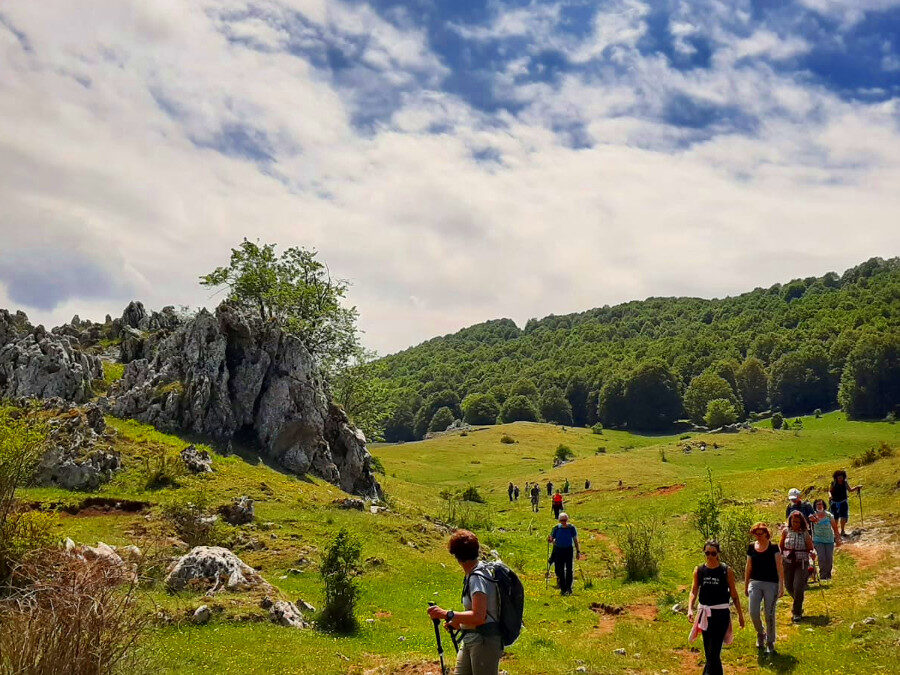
{"x": 807, "y": 541}
{"x": 809, "y": 536}
{"x": 534, "y": 492}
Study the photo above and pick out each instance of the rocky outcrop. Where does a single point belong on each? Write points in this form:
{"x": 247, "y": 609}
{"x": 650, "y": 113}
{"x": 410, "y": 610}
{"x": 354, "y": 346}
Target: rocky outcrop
{"x": 36, "y": 363}
{"x": 79, "y": 453}
{"x": 197, "y": 461}
{"x": 287, "y": 614}
{"x": 239, "y": 512}
{"x": 213, "y": 568}
{"x": 140, "y": 331}
{"x": 228, "y": 377}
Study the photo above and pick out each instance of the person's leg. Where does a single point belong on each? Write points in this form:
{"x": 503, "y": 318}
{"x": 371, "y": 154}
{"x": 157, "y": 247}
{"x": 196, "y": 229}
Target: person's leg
{"x": 486, "y": 653}
{"x": 756, "y": 598}
{"x": 801, "y": 574}
{"x": 559, "y": 567}
{"x": 713, "y": 637}
{"x": 464, "y": 659}
{"x": 789, "y": 569}
{"x": 569, "y": 571}
{"x": 770, "y": 596}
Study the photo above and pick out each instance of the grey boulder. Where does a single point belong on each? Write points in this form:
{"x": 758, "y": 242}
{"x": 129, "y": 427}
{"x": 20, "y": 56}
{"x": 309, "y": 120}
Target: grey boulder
{"x": 213, "y": 567}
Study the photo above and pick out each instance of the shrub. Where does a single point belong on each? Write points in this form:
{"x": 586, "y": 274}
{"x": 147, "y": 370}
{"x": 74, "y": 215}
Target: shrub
{"x": 642, "y": 549}
{"x": 563, "y": 453}
{"x": 817, "y": 412}
{"x": 600, "y": 450}
{"x": 340, "y": 569}
{"x": 662, "y": 455}
{"x": 734, "y": 525}
{"x": 480, "y": 409}
{"x": 376, "y": 465}
{"x": 193, "y": 523}
{"x": 519, "y": 409}
{"x": 162, "y": 469}
{"x": 777, "y": 420}
{"x": 706, "y": 513}
{"x": 471, "y": 494}
{"x": 720, "y": 412}
{"x": 21, "y": 442}
{"x": 442, "y": 419}
{"x": 874, "y": 454}
{"x": 508, "y": 440}
{"x": 597, "y": 428}
{"x": 68, "y": 615}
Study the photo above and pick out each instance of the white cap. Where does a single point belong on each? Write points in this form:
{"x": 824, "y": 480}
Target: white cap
{"x": 794, "y": 494}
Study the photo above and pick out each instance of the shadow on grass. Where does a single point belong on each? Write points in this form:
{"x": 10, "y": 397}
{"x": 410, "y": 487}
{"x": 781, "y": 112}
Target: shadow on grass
{"x": 817, "y": 620}
{"x": 778, "y": 662}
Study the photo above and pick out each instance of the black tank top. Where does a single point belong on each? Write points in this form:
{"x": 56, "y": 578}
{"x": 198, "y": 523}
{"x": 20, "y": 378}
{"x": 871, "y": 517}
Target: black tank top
{"x": 839, "y": 491}
{"x": 714, "y": 588}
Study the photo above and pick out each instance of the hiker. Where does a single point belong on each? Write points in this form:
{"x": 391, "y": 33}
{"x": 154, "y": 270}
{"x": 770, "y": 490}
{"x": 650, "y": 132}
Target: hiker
{"x": 763, "y": 583}
{"x": 838, "y": 496}
{"x": 796, "y": 503}
{"x": 510, "y": 489}
{"x": 535, "y": 497}
{"x": 797, "y": 548}
{"x": 564, "y": 538}
{"x": 713, "y": 586}
{"x": 516, "y": 493}
{"x": 825, "y": 536}
{"x": 557, "y": 505}
{"x": 587, "y": 484}
{"x": 549, "y": 488}
{"x": 566, "y": 486}
{"x": 481, "y": 645}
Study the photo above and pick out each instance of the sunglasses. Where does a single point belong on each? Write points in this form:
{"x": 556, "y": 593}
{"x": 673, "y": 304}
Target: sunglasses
{"x": 711, "y": 554}
{"x": 759, "y": 532}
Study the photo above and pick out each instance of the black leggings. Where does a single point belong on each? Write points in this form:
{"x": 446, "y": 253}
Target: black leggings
{"x": 562, "y": 562}
{"x": 713, "y": 637}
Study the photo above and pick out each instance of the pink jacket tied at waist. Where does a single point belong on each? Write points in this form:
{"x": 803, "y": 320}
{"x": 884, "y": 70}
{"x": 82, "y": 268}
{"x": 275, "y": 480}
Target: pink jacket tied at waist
{"x": 701, "y": 622}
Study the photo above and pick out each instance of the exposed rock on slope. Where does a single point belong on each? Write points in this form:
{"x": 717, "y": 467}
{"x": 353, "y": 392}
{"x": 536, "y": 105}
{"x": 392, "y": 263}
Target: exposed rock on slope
{"x": 79, "y": 454}
{"x": 35, "y": 363}
{"x": 228, "y": 377}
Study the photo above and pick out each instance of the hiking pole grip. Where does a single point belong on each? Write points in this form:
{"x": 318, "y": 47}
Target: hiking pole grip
{"x": 437, "y": 636}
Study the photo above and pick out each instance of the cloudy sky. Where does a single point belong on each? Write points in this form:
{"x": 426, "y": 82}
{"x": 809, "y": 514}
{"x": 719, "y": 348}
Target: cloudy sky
{"x": 457, "y": 160}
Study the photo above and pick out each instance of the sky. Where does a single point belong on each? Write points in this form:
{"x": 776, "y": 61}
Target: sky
{"x": 456, "y": 160}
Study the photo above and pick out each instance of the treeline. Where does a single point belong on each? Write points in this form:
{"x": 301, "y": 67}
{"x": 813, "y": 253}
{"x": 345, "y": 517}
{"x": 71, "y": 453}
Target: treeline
{"x": 812, "y": 343}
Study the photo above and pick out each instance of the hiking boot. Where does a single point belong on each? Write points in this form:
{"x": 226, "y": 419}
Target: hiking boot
{"x": 760, "y": 641}
{"x": 796, "y": 619}
{"x": 770, "y": 648}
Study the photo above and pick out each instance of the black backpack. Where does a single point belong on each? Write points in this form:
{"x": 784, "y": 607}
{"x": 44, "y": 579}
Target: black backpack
{"x": 511, "y": 597}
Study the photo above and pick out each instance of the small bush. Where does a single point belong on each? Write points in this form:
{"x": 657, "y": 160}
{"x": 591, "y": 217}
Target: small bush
{"x": 340, "y": 569}
{"x": 777, "y": 420}
{"x": 642, "y": 549}
{"x": 734, "y": 525}
{"x": 68, "y": 615}
{"x": 720, "y": 412}
{"x": 684, "y": 437}
{"x": 508, "y": 440}
{"x": 563, "y": 453}
{"x": 601, "y": 450}
{"x": 597, "y": 428}
{"x": 874, "y": 454}
{"x": 662, "y": 455}
{"x": 817, "y": 412}
{"x": 162, "y": 469}
{"x": 706, "y": 514}
{"x": 377, "y": 466}
{"x": 193, "y": 522}
{"x": 471, "y": 494}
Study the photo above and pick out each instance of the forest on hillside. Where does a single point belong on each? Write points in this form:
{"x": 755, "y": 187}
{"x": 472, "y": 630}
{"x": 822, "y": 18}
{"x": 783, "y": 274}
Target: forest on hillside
{"x": 813, "y": 343}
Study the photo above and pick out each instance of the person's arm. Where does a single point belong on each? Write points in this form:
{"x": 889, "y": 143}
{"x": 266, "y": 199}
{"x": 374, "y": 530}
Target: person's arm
{"x": 854, "y": 489}
{"x": 552, "y": 537}
{"x": 747, "y": 571}
{"x": 779, "y": 564}
{"x": 837, "y": 532}
{"x": 735, "y": 597}
{"x": 473, "y": 617}
{"x": 693, "y": 596}
{"x": 809, "y": 547}
{"x": 783, "y": 537}
{"x": 577, "y": 546}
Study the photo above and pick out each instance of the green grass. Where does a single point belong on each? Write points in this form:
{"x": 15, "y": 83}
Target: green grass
{"x": 756, "y": 469}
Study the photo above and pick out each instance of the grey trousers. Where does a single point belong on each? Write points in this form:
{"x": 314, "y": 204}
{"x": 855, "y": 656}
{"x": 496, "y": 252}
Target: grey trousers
{"x": 826, "y": 559}
{"x": 764, "y": 593}
{"x": 479, "y": 655}
{"x": 796, "y": 574}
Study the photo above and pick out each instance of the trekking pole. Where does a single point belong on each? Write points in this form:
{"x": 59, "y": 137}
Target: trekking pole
{"x": 437, "y": 636}
{"x": 822, "y": 586}
{"x": 547, "y": 574}
{"x": 862, "y": 523}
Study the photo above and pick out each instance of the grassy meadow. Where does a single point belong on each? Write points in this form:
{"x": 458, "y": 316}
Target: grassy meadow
{"x": 406, "y": 564}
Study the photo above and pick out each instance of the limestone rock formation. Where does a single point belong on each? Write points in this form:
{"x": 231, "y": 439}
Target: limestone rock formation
{"x": 287, "y": 614}
{"x": 228, "y": 377}
{"x": 197, "y": 461}
{"x": 214, "y": 567}
{"x": 239, "y": 512}
{"x": 39, "y": 364}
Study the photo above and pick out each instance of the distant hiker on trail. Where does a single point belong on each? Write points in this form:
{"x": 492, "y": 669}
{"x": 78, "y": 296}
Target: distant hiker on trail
{"x": 714, "y": 586}
{"x": 510, "y": 489}
{"x": 549, "y": 488}
{"x": 535, "y": 497}
{"x": 566, "y": 486}
{"x": 838, "y": 495}
{"x": 763, "y": 582}
{"x": 797, "y": 548}
{"x": 481, "y": 645}
{"x": 825, "y": 536}
{"x": 557, "y": 505}
{"x": 564, "y": 538}
{"x": 796, "y": 503}
{"x": 516, "y": 493}
{"x": 587, "y": 484}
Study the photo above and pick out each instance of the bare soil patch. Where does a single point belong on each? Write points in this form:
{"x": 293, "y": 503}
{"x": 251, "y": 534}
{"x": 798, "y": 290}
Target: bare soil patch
{"x": 93, "y": 506}
{"x": 667, "y": 490}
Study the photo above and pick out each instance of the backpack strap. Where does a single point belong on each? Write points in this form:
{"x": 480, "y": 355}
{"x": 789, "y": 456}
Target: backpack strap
{"x": 487, "y": 577}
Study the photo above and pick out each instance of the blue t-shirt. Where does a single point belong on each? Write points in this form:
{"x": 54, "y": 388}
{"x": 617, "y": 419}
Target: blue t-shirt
{"x": 564, "y": 536}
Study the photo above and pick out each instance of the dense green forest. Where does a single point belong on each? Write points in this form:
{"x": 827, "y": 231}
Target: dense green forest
{"x": 813, "y": 343}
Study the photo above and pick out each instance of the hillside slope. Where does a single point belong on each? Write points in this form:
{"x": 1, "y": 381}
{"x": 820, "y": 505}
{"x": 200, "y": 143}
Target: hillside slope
{"x": 803, "y": 329}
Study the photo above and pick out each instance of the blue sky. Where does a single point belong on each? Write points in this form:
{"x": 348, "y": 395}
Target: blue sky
{"x": 456, "y": 160}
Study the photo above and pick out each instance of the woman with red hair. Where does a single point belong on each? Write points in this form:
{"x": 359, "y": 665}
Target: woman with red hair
{"x": 763, "y": 582}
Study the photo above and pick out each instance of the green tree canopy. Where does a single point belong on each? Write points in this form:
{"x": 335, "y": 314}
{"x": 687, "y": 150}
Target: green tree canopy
{"x": 706, "y": 387}
{"x": 753, "y": 385}
{"x": 442, "y": 419}
{"x": 799, "y": 381}
{"x": 651, "y": 397}
{"x": 480, "y": 409}
{"x": 524, "y": 387}
{"x": 296, "y": 291}
{"x": 442, "y": 399}
{"x": 555, "y": 407}
{"x": 519, "y": 408}
{"x": 611, "y": 408}
{"x": 870, "y": 385}
{"x": 719, "y": 412}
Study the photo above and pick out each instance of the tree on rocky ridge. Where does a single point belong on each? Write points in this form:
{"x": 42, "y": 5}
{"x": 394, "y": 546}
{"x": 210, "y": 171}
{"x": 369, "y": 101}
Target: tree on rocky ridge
{"x": 297, "y": 292}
